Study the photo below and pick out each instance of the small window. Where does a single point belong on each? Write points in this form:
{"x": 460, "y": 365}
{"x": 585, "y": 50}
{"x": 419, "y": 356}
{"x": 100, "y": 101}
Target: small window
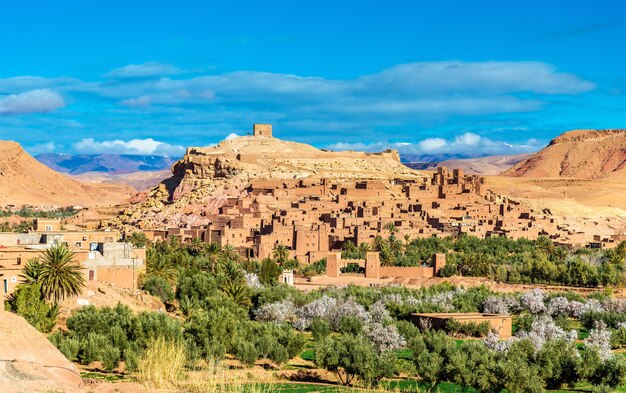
{"x": 19, "y": 260}
{"x": 79, "y": 244}
{"x": 48, "y": 228}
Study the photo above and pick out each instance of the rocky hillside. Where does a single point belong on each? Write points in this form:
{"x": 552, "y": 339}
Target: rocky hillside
{"x": 205, "y": 177}
{"x": 583, "y": 154}
{"x": 24, "y": 180}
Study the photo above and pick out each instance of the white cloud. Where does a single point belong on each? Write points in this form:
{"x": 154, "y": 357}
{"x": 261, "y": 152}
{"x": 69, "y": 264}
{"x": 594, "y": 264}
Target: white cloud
{"x": 32, "y": 101}
{"x": 144, "y": 70}
{"x": 430, "y": 144}
{"x": 444, "y": 88}
{"x": 491, "y": 76}
{"x": 230, "y": 136}
{"x": 134, "y": 146}
{"x": 41, "y": 148}
{"x": 464, "y": 145}
{"x": 140, "y": 102}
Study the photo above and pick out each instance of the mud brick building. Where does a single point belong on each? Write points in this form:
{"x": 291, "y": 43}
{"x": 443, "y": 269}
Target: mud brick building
{"x": 314, "y": 217}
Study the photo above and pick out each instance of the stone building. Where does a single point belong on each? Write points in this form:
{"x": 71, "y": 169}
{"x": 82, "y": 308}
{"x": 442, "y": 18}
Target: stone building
{"x": 100, "y": 253}
{"x": 315, "y": 217}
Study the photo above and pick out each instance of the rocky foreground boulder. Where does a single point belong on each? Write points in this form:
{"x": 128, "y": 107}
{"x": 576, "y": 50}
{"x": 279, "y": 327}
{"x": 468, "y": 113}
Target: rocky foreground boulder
{"x": 30, "y": 363}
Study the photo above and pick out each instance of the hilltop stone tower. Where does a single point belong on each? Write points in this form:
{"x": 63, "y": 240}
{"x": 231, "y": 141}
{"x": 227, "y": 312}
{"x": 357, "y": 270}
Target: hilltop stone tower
{"x": 262, "y": 130}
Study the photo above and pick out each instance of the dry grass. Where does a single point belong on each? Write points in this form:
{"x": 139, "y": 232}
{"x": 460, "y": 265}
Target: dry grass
{"x": 163, "y": 363}
{"x": 215, "y": 378}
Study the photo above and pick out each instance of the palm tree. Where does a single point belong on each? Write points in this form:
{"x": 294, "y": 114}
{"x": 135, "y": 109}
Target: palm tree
{"x": 196, "y": 247}
{"x": 161, "y": 267}
{"x": 230, "y": 271}
{"x": 229, "y": 252}
{"x": 60, "y": 277}
{"x": 379, "y": 243}
{"x": 31, "y": 272}
{"x": 238, "y": 292}
{"x": 407, "y": 242}
{"x": 280, "y": 254}
{"x": 391, "y": 227}
{"x": 364, "y": 248}
{"x": 213, "y": 252}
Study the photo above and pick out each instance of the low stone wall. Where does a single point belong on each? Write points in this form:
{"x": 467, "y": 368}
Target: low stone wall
{"x": 396, "y": 271}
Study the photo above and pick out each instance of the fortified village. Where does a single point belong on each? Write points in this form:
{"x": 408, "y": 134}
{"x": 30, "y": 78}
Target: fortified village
{"x": 315, "y": 214}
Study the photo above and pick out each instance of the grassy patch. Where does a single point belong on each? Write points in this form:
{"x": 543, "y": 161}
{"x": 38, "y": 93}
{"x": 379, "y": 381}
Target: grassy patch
{"x": 308, "y": 354}
{"x": 405, "y": 354}
{"x": 108, "y": 377}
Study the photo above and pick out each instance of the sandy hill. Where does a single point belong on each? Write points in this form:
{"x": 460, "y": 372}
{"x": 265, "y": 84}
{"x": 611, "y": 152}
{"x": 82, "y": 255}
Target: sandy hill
{"x": 24, "y": 180}
{"x": 583, "y": 154}
{"x": 30, "y": 363}
{"x": 206, "y": 176}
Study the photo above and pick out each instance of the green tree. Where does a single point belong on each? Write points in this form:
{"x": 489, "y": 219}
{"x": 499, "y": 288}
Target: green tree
{"x": 138, "y": 239}
{"x": 559, "y": 363}
{"x": 432, "y": 352}
{"x": 28, "y": 303}
{"x": 280, "y": 254}
{"x": 31, "y": 272}
{"x": 352, "y": 357}
{"x": 160, "y": 266}
{"x": 60, "y": 276}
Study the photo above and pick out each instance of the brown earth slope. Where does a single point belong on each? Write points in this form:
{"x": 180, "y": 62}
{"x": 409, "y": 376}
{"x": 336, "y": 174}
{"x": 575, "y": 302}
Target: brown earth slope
{"x": 24, "y": 180}
{"x": 582, "y": 154}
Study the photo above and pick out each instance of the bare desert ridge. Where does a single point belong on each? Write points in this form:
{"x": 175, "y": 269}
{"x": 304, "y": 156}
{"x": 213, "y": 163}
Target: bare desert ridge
{"x": 26, "y": 181}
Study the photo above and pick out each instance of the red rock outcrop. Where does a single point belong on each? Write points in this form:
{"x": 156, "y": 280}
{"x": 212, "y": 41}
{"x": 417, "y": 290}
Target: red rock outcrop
{"x": 29, "y": 362}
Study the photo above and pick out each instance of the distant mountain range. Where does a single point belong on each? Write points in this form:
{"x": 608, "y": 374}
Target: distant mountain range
{"x": 26, "y": 181}
{"x": 416, "y": 159}
{"x": 104, "y": 163}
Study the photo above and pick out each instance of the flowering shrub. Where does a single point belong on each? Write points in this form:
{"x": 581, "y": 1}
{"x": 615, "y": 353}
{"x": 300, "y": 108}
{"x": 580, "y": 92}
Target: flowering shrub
{"x": 500, "y": 305}
{"x": 252, "y": 280}
{"x": 278, "y": 312}
{"x": 534, "y": 301}
{"x": 346, "y": 308}
{"x": 316, "y": 309}
{"x": 558, "y": 306}
{"x": 543, "y": 329}
{"x": 384, "y": 338}
{"x": 600, "y": 340}
{"x": 378, "y": 312}
{"x": 494, "y": 343}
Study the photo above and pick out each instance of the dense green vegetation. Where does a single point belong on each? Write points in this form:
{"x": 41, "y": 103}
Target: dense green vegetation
{"x": 504, "y": 260}
{"x": 28, "y": 212}
{"x": 220, "y": 306}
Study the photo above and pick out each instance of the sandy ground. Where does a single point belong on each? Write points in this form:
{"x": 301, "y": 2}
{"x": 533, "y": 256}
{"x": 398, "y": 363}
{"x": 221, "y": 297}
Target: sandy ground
{"x": 593, "y": 205}
{"x": 415, "y": 283}
{"x": 102, "y": 294}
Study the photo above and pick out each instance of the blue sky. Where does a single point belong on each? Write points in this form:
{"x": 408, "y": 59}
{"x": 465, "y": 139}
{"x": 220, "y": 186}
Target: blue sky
{"x": 468, "y": 78}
